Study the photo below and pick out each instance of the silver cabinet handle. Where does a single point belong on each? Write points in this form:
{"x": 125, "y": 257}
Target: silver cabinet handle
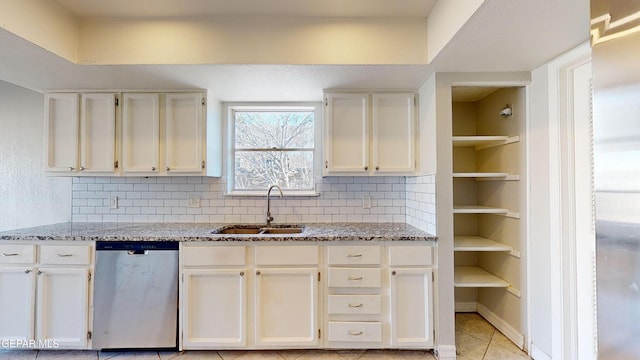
{"x": 354, "y": 278}
{"x": 39, "y": 272}
{"x": 168, "y": 169}
{"x": 355, "y": 305}
{"x": 28, "y": 271}
{"x": 71, "y": 168}
{"x": 153, "y": 168}
{"x": 10, "y": 254}
{"x": 65, "y": 255}
{"x": 326, "y": 164}
{"x": 82, "y": 168}
{"x": 354, "y": 255}
{"x": 353, "y": 333}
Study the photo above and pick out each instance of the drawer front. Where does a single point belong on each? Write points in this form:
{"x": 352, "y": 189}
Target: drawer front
{"x": 17, "y": 254}
{"x": 214, "y": 255}
{"x": 355, "y": 304}
{"x": 65, "y": 254}
{"x": 354, "y": 277}
{"x": 286, "y": 255}
{"x": 354, "y": 255}
{"x": 411, "y": 255}
{"x": 355, "y": 331}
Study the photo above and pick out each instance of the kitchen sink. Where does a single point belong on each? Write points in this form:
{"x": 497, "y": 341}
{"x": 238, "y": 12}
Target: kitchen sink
{"x": 259, "y": 230}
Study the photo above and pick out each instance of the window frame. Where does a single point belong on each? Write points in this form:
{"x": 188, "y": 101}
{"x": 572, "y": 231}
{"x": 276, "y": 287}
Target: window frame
{"x": 230, "y": 151}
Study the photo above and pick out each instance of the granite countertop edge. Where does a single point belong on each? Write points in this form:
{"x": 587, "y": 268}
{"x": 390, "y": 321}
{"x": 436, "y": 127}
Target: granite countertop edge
{"x": 203, "y": 232}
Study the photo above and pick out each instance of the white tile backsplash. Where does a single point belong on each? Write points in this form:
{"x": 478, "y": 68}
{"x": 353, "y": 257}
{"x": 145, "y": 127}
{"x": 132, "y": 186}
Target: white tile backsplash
{"x": 165, "y": 199}
{"x": 420, "y": 202}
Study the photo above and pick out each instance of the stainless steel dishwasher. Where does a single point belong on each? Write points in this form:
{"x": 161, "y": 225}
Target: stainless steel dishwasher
{"x": 135, "y": 295}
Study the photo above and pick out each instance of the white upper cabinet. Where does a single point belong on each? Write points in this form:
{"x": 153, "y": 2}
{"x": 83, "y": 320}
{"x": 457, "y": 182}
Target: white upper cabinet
{"x": 61, "y": 132}
{"x": 141, "y": 133}
{"x": 346, "y": 139}
{"x": 80, "y": 133}
{"x": 151, "y": 134}
{"x": 167, "y": 142}
{"x": 393, "y": 139}
{"x": 184, "y": 135}
{"x": 98, "y": 133}
{"x": 369, "y": 134}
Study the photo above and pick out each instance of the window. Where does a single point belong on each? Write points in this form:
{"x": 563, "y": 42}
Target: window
{"x": 271, "y": 145}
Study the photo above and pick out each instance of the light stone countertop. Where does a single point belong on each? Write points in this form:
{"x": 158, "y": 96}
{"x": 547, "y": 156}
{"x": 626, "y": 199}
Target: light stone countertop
{"x": 204, "y": 232}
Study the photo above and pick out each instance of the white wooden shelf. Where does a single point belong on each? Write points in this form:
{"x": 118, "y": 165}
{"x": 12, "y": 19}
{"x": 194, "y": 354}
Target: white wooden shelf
{"x": 486, "y": 176}
{"x": 480, "y": 209}
{"x": 473, "y": 276}
{"x": 478, "y": 243}
{"x": 483, "y": 142}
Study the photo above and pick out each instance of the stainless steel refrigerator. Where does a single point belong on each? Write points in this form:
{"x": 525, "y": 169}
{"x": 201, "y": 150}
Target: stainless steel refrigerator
{"x": 615, "y": 29}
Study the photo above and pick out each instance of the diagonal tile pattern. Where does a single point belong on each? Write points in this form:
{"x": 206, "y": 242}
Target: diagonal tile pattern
{"x": 476, "y": 339}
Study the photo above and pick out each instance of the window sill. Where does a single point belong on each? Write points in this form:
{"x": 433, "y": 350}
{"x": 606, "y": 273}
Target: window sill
{"x": 273, "y": 193}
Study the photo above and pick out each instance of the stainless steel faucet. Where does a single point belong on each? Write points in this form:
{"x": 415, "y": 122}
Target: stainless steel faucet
{"x": 269, "y": 217}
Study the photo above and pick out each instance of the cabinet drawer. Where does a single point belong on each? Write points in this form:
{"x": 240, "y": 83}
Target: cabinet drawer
{"x": 355, "y": 331}
{"x": 214, "y": 255}
{"x": 286, "y": 255}
{"x": 65, "y": 254}
{"x": 17, "y": 254}
{"x": 354, "y": 255}
{"x": 355, "y": 304}
{"x": 354, "y": 277}
{"x": 410, "y": 255}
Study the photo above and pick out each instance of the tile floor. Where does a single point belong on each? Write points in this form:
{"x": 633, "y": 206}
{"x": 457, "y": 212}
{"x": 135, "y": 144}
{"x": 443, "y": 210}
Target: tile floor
{"x": 476, "y": 339}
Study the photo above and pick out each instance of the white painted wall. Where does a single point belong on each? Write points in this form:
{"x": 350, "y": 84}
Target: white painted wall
{"x": 555, "y": 162}
{"x": 540, "y": 254}
{"x": 27, "y": 197}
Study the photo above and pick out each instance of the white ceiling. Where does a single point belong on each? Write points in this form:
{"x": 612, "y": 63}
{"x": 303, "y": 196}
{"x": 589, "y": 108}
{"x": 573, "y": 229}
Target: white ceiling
{"x": 503, "y": 35}
{"x": 309, "y": 8}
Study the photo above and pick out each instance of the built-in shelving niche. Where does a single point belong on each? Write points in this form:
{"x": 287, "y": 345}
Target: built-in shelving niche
{"x": 489, "y": 201}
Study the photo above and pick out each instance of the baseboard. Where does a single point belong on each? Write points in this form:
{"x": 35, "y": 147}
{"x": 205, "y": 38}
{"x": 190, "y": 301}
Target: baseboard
{"x": 538, "y": 354}
{"x": 502, "y": 326}
{"x": 446, "y": 352}
{"x": 469, "y": 306}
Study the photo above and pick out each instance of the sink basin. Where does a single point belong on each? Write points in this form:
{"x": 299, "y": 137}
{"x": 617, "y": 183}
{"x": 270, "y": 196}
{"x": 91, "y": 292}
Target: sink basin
{"x": 259, "y": 230}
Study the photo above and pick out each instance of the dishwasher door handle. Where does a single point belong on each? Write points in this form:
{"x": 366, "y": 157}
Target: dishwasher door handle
{"x": 137, "y": 252}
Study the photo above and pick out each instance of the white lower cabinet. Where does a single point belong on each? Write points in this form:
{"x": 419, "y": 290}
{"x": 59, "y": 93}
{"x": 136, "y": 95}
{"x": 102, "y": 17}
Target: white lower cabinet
{"x": 214, "y": 308}
{"x": 274, "y": 296}
{"x": 411, "y": 297}
{"x": 286, "y": 307}
{"x": 249, "y": 297}
{"x": 44, "y": 302}
{"x": 62, "y": 307}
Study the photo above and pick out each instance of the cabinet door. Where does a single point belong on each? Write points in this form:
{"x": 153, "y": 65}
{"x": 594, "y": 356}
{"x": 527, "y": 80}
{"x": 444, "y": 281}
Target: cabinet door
{"x": 346, "y": 135}
{"x": 393, "y": 133}
{"x": 61, "y": 132}
{"x": 286, "y": 307}
{"x": 17, "y": 292}
{"x": 184, "y": 133}
{"x": 98, "y": 133}
{"x": 214, "y": 309}
{"x": 62, "y": 307}
{"x": 411, "y": 307}
{"x": 140, "y": 133}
